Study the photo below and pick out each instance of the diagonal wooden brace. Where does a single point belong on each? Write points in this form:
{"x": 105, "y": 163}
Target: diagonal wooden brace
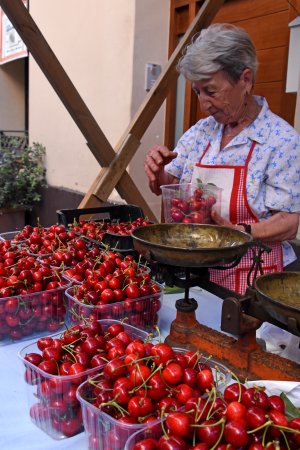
{"x": 109, "y": 177}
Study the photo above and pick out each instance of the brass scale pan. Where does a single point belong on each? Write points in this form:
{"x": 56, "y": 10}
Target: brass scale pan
{"x": 197, "y": 245}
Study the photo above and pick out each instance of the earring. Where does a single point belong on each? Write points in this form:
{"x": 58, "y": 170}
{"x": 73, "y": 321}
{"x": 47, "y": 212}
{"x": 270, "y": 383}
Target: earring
{"x": 245, "y": 98}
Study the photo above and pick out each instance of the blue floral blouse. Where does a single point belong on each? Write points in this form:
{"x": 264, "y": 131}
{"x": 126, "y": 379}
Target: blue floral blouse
{"x": 273, "y": 178}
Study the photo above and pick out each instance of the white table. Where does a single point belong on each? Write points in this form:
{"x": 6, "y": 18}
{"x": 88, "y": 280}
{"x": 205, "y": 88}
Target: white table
{"x": 17, "y": 432}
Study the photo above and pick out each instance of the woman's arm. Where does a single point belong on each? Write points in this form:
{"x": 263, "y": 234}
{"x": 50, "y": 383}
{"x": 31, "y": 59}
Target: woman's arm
{"x": 280, "y": 226}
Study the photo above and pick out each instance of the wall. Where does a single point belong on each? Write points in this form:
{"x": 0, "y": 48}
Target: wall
{"x": 103, "y": 46}
{"x": 12, "y": 95}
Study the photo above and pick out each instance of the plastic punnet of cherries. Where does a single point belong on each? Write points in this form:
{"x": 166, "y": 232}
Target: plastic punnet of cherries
{"x": 55, "y": 366}
{"x": 151, "y": 381}
{"x": 31, "y": 295}
{"x": 194, "y": 209}
{"x": 114, "y": 287}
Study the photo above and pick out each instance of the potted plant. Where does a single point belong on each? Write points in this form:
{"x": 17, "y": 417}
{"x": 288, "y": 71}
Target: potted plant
{"x": 22, "y": 175}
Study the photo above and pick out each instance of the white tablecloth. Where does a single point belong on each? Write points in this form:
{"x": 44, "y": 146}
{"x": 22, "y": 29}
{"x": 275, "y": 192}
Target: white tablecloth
{"x": 17, "y": 432}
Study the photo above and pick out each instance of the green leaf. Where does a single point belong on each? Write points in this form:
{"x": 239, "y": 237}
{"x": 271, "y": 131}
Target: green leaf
{"x": 291, "y": 411}
{"x": 173, "y": 290}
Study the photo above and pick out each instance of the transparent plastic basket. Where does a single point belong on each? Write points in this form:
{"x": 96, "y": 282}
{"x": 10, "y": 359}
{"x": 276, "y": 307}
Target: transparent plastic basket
{"x": 140, "y": 312}
{"x": 53, "y": 406}
{"x": 190, "y": 203}
{"x": 32, "y": 315}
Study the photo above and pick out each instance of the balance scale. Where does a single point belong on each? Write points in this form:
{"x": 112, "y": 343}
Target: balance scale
{"x": 182, "y": 254}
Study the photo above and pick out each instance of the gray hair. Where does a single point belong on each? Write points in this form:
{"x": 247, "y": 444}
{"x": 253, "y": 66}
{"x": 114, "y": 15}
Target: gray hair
{"x": 219, "y": 47}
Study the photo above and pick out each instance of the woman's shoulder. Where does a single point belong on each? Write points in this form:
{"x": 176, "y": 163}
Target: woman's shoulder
{"x": 277, "y": 125}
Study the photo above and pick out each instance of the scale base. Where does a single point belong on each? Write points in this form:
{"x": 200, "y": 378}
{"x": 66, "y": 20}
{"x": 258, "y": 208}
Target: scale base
{"x": 243, "y": 356}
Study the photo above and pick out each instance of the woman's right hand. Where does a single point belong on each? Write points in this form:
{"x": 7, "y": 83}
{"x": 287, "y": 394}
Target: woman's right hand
{"x": 155, "y": 161}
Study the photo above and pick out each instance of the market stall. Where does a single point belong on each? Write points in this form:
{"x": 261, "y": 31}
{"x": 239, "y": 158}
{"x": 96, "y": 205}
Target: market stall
{"x": 190, "y": 312}
{"x": 69, "y": 276}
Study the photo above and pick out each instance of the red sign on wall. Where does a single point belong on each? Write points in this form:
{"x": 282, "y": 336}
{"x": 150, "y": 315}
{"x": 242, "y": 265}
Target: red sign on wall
{"x": 11, "y": 45}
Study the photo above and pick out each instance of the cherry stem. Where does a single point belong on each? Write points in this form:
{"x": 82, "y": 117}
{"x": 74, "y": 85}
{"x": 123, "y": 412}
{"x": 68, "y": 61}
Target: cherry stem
{"x": 261, "y": 427}
{"x": 68, "y": 350}
{"x": 116, "y": 405}
{"x": 78, "y": 316}
{"x": 285, "y": 439}
{"x": 163, "y": 425}
{"x": 159, "y": 336}
{"x": 220, "y": 437}
{"x": 239, "y": 384}
{"x": 203, "y": 425}
{"x": 198, "y": 417}
{"x": 212, "y": 393}
{"x": 265, "y": 434}
{"x": 144, "y": 384}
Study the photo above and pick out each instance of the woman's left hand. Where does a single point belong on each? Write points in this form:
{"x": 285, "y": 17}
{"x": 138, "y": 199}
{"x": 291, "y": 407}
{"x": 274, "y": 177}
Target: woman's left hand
{"x": 219, "y": 220}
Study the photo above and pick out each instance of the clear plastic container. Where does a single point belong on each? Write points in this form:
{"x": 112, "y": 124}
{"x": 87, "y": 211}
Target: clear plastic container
{"x": 190, "y": 203}
{"x": 102, "y": 430}
{"x": 32, "y": 315}
{"x": 12, "y": 236}
{"x": 52, "y": 402}
{"x": 107, "y": 433}
{"x": 154, "y": 432}
{"x": 141, "y": 312}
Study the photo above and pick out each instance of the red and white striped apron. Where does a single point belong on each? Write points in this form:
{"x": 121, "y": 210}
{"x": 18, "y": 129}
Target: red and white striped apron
{"x": 235, "y": 207}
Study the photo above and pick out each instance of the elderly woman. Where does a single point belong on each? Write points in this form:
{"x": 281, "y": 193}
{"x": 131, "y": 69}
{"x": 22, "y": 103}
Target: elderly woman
{"x": 242, "y": 147}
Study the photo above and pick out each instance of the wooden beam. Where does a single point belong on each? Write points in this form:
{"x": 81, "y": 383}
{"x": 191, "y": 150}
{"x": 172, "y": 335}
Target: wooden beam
{"x": 126, "y": 148}
{"x": 97, "y": 142}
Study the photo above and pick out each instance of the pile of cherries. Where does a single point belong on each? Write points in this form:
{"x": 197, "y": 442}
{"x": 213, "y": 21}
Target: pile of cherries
{"x": 240, "y": 419}
{"x": 40, "y": 241}
{"x": 61, "y": 362}
{"x": 96, "y": 230}
{"x": 67, "y": 255}
{"x": 31, "y": 295}
{"x": 196, "y": 209}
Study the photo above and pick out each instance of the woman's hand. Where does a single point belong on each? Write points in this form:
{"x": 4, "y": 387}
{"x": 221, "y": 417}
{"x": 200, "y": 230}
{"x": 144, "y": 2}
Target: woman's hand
{"x": 219, "y": 220}
{"x": 281, "y": 226}
{"x": 155, "y": 161}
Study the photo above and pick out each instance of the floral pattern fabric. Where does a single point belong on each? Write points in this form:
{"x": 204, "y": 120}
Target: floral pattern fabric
{"x": 273, "y": 178}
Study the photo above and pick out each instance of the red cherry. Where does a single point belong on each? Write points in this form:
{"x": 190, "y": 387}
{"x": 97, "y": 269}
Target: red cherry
{"x": 179, "y": 424}
{"x": 235, "y": 433}
{"x": 236, "y": 411}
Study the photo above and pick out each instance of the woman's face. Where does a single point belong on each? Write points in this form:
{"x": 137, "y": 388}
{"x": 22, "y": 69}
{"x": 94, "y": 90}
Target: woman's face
{"x": 223, "y": 99}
